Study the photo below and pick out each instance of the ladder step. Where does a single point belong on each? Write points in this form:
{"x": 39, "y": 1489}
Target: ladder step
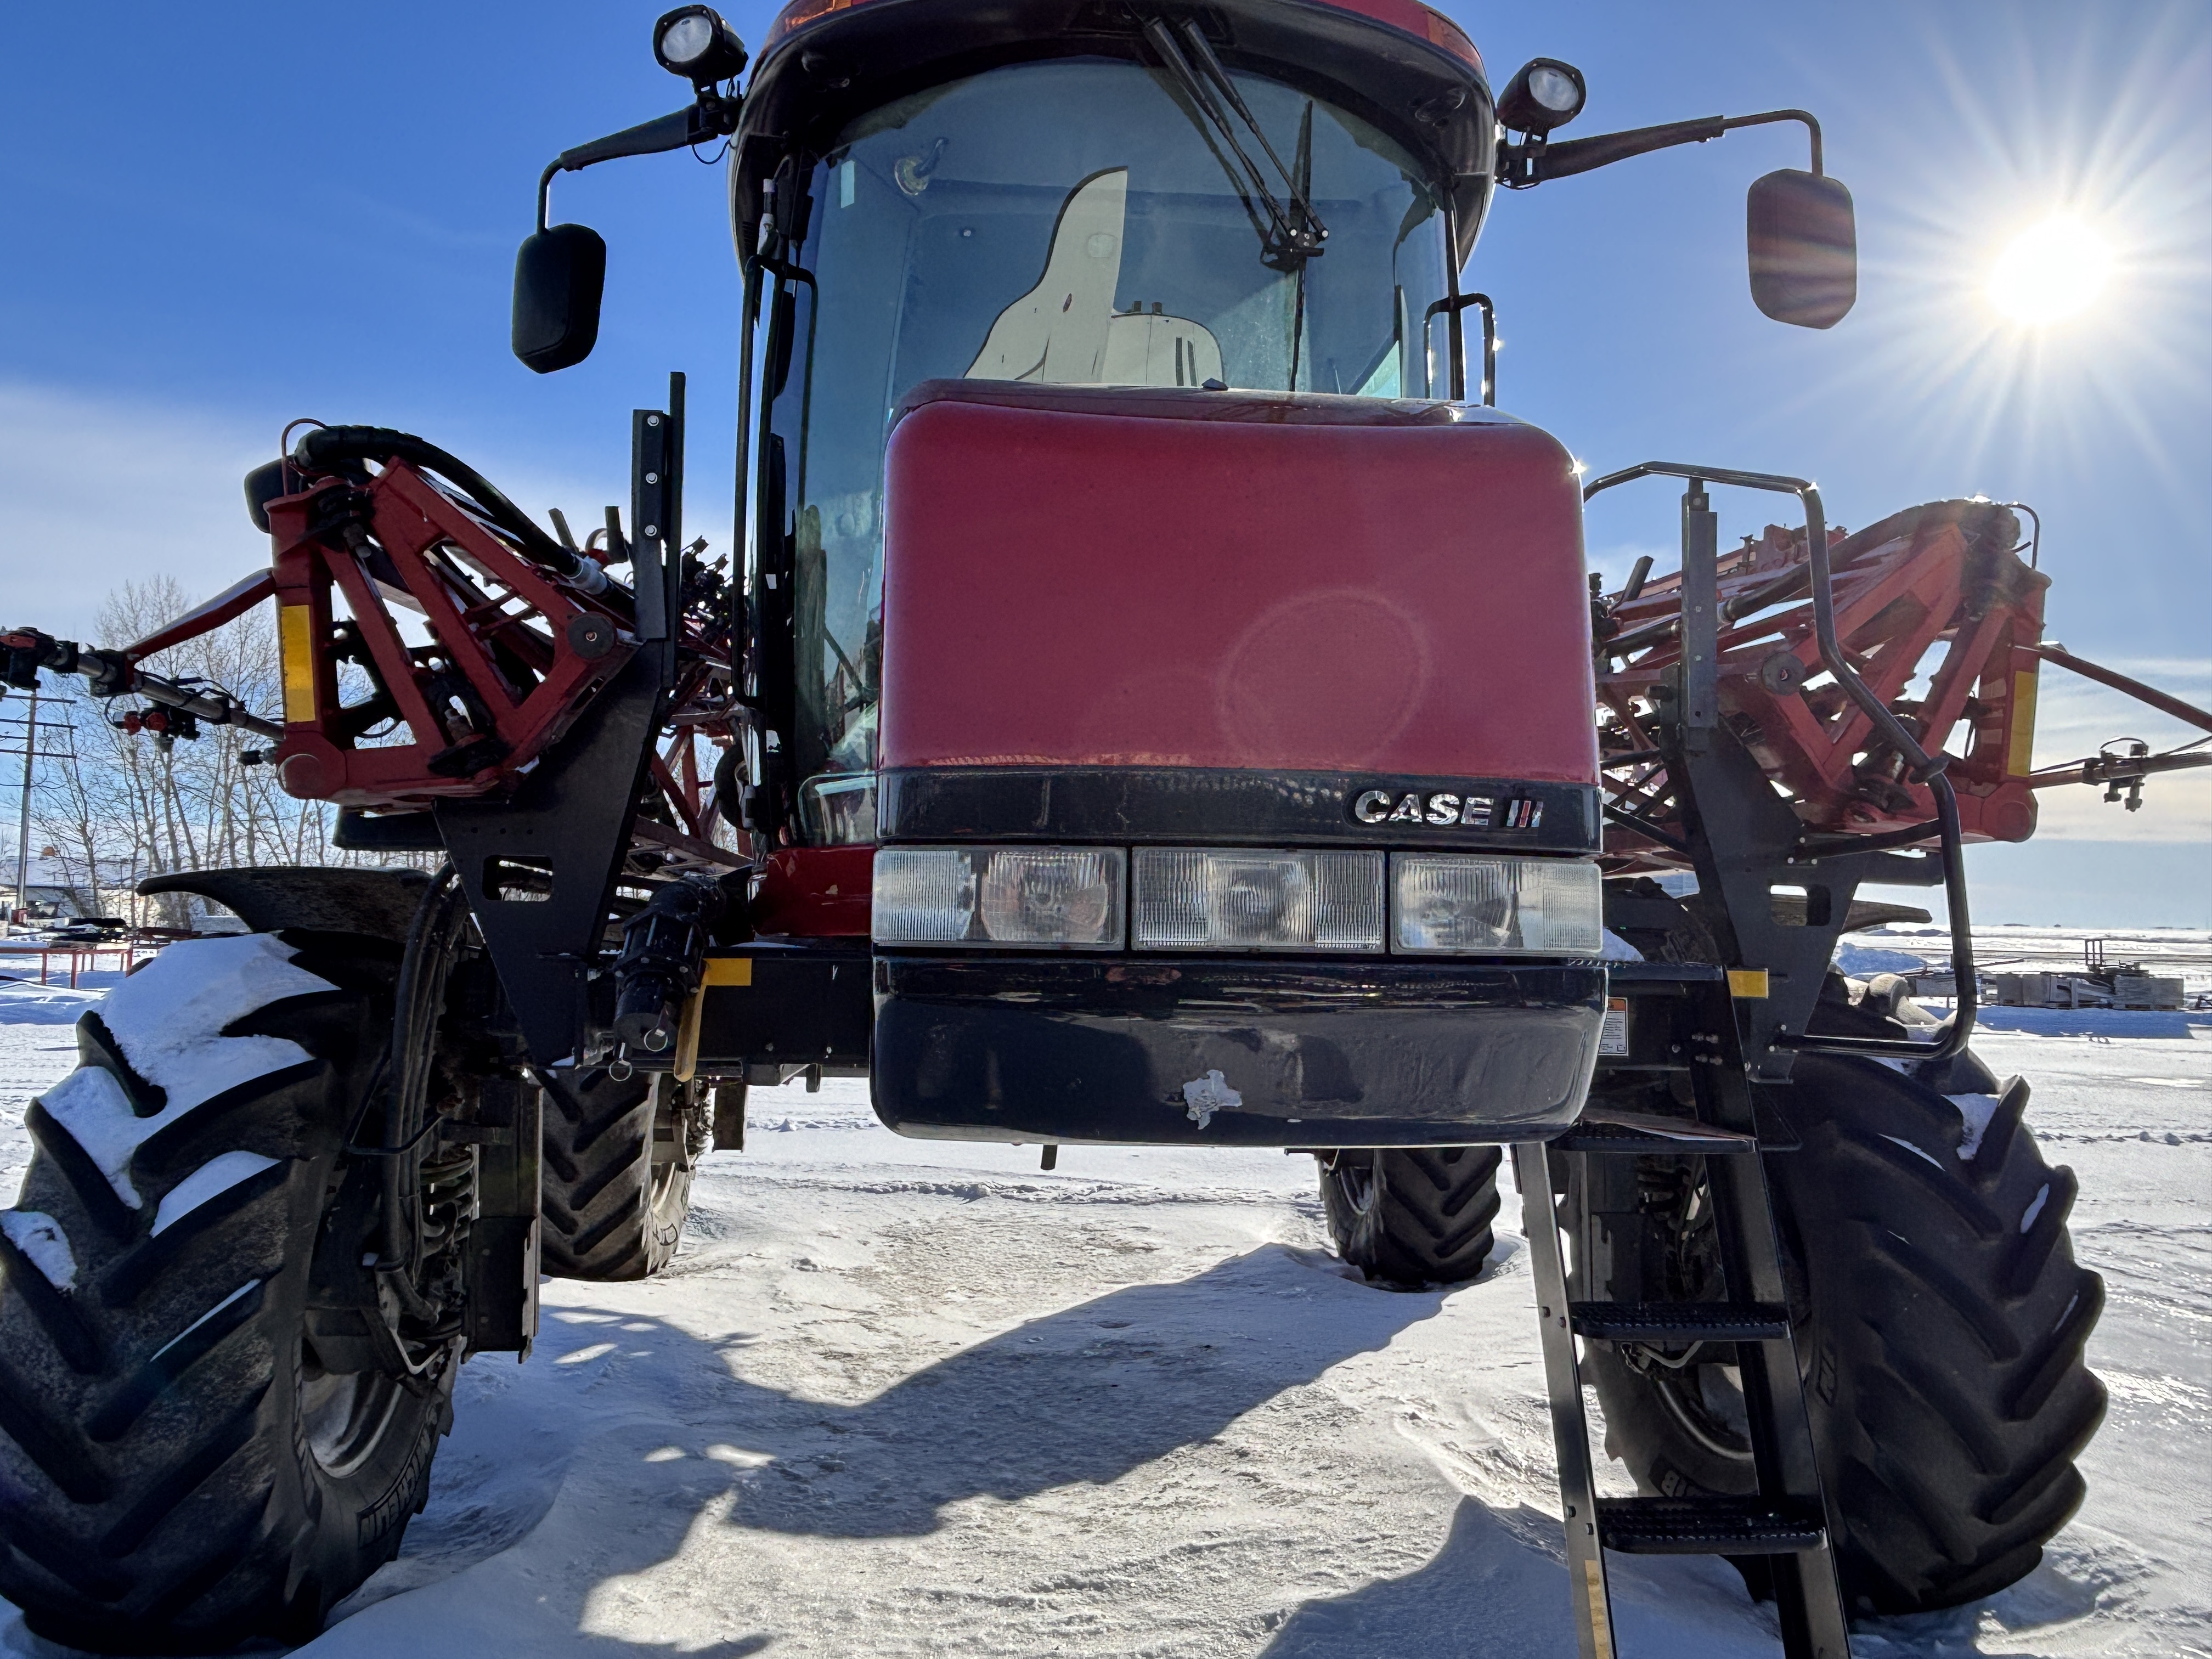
{"x": 1679, "y": 1322}
{"x": 1634, "y": 976}
{"x": 1630, "y": 1132}
{"x": 1710, "y": 1526}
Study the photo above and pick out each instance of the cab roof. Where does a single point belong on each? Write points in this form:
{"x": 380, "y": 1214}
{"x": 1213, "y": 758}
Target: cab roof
{"x": 1413, "y": 18}
{"x": 1407, "y": 69}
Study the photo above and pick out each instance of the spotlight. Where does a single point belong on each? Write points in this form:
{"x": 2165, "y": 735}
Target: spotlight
{"x": 1543, "y": 94}
{"x": 694, "y": 42}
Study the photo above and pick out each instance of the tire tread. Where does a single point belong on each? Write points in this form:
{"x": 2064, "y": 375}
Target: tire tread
{"x": 596, "y": 1206}
{"x": 1943, "y": 1347}
{"x": 1430, "y": 1219}
{"x": 160, "y": 1500}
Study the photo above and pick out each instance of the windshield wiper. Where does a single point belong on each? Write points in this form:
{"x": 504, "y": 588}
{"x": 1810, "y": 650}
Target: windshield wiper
{"x": 1301, "y": 186}
{"x": 1294, "y": 233}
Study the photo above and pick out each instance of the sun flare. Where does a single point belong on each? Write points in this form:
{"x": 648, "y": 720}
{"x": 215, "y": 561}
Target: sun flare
{"x": 2051, "y": 271}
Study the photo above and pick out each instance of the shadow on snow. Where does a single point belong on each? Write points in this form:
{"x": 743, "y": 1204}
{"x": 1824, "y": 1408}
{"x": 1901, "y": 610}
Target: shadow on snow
{"x": 1084, "y": 1396}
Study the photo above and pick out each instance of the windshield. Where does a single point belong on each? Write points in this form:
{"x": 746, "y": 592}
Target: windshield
{"x": 1074, "y": 222}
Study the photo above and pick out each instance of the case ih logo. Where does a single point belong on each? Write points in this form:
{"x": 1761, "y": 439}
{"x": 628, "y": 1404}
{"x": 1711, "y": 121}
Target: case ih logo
{"x": 1466, "y": 811}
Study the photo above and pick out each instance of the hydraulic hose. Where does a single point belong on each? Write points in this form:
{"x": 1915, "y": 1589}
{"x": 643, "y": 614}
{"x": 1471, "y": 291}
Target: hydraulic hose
{"x": 434, "y": 939}
{"x": 323, "y": 449}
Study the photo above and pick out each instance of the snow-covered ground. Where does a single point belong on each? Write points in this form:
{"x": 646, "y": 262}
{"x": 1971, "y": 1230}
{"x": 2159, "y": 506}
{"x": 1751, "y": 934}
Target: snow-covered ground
{"x": 902, "y": 1398}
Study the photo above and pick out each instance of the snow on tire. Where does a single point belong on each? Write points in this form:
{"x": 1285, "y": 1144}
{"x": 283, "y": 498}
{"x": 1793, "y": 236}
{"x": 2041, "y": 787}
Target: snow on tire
{"x": 1411, "y": 1218}
{"x": 616, "y": 1181}
{"x": 1940, "y": 1319}
{"x": 177, "y": 1472}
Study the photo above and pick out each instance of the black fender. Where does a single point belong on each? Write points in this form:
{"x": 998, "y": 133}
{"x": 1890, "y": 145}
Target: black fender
{"x": 381, "y": 903}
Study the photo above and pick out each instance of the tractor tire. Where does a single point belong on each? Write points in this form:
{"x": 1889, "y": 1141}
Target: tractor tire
{"x": 1939, "y": 1318}
{"x": 1413, "y": 1217}
{"x": 177, "y": 1471}
{"x": 619, "y": 1159}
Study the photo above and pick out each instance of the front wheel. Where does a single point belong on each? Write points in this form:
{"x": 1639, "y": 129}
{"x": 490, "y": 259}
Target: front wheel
{"x": 1411, "y": 1218}
{"x": 1938, "y": 1317}
{"x": 620, "y": 1154}
{"x": 182, "y": 1466}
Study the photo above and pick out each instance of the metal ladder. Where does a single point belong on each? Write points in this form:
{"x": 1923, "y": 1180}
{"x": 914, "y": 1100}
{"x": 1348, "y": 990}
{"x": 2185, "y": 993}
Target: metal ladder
{"x": 1785, "y": 1519}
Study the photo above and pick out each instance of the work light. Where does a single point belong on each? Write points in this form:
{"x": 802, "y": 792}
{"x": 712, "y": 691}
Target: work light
{"x": 1542, "y": 94}
{"x": 694, "y": 42}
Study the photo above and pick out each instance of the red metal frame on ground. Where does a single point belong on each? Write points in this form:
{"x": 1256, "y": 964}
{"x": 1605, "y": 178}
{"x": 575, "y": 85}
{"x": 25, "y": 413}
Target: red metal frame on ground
{"x": 77, "y": 954}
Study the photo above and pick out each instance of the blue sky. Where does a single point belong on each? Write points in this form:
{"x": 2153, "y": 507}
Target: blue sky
{"x": 219, "y": 218}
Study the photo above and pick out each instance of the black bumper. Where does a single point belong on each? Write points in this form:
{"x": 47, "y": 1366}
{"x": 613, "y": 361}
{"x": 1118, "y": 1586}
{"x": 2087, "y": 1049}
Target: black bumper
{"x": 1312, "y": 1054}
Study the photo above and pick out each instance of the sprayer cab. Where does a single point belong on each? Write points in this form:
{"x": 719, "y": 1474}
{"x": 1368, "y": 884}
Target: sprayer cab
{"x": 1146, "y": 612}
{"x": 1143, "y": 602}
{"x": 1116, "y": 616}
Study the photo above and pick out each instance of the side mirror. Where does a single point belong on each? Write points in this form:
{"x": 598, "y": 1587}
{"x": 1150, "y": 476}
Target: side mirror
{"x": 559, "y": 274}
{"x": 1804, "y": 248}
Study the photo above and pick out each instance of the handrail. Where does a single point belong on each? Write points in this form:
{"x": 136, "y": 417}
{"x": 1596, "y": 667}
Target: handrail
{"x": 1920, "y": 766}
{"x": 1451, "y": 305}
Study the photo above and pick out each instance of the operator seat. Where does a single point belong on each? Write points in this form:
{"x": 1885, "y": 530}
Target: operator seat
{"x": 1065, "y": 332}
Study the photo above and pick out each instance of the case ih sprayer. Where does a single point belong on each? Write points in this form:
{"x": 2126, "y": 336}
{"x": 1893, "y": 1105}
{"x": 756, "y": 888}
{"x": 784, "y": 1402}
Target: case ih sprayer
{"x": 1156, "y": 707}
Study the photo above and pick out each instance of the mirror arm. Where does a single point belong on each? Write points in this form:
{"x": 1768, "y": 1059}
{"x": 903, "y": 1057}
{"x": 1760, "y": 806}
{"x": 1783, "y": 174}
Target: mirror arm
{"x": 1812, "y": 128}
{"x": 711, "y": 117}
{"x": 1531, "y": 164}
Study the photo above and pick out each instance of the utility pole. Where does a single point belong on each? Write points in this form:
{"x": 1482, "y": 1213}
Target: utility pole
{"x": 31, "y": 752}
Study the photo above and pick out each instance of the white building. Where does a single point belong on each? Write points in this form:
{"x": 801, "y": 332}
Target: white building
{"x": 49, "y": 895}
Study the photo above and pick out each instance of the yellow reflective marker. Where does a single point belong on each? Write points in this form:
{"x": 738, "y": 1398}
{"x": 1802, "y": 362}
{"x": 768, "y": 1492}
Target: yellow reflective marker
{"x": 1601, "y": 1620}
{"x": 2020, "y": 756}
{"x": 1747, "y": 982}
{"x": 719, "y": 970}
{"x": 687, "y": 1037}
{"x": 295, "y": 646}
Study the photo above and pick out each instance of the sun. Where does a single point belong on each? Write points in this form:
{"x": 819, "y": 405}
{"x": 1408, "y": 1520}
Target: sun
{"x": 2051, "y": 271}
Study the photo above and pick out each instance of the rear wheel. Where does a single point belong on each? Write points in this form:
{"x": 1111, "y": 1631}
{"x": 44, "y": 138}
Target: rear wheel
{"x": 184, "y": 1465}
{"x": 619, "y": 1158}
{"x": 1415, "y": 1216}
{"x": 1939, "y": 1315}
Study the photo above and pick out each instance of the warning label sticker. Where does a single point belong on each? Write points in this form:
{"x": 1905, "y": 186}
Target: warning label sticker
{"x": 1612, "y": 1038}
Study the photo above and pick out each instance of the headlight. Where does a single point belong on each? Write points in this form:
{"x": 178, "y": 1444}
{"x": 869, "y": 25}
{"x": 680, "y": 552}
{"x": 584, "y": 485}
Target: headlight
{"x": 1055, "y": 897}
{"x": 1473, "y": 906}
{"x": 1194, "y": 899}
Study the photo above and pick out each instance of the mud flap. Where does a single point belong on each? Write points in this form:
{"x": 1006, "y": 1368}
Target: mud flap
{"x": 503, "y": 1259}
